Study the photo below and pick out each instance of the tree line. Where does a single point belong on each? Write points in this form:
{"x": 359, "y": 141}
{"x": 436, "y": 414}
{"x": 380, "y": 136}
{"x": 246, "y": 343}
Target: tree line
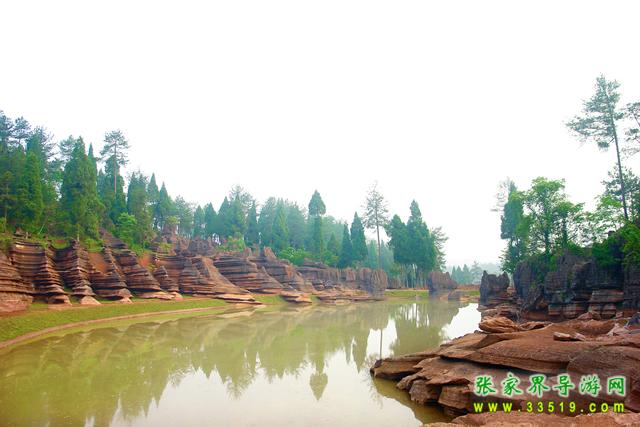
{"x": 540, "y": 222}
{"x": 66, "y": 190}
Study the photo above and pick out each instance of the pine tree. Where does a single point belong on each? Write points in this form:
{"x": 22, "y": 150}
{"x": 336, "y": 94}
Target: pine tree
{"x": 29, "y": 201}
{"x": 198, "y": 223}
{"x": 265, "y": 222}
{"x": 280, "y": 231}
{"x": 252, "y": 236}
{"x": 210, "y": 219}
{"x": 358, "y": 240}
{"x": 79, "y": 204}
{"x": 138, "y": 207}
{"x": 224, "y": 223}
{"x": 316, "y": 205}
{"x": 346, "y": 250}
{"x": 164, "y": 208}
{"x": 376, "y": 214}
{"x": 153, "y": 194}
{"x": 297, "y": 225}
{"x": 115, "y": 152}
{"x": 316, "y": 210}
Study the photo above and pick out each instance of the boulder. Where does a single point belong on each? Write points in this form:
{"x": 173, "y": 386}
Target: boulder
{"x": 439, "y": 282}
{"x": 494, "y": 290}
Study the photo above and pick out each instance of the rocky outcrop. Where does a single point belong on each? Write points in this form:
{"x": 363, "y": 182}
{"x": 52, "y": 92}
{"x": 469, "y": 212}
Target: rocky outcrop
{"x": 494, "y": 290}
{"x": 439, "y": 282}
{"x": 106, "y": 278}
{"x": 73, "y": 265}
{"x": 374, "y": 282}
{"x": 242, "y": 272}
{"x": 165, "y": 281}
{"x": 282, "y": 271}
{"x": 576, "y": 285}
{"x": 15, "y": 293}
{"x": 447, "y": 375}
{"x": 35, "y": 265}
{"x": 139, "y": 281}
{"x": 198, "y": 276}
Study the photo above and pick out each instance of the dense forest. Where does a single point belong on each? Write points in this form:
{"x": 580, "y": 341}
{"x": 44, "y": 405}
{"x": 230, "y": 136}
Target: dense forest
{"x": 540, "y": 223}
{"x": 56, "y": 191}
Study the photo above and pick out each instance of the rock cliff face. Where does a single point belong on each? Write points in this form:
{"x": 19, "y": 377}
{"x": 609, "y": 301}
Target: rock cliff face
{"x": 35, "y": 265}
{"x": 577, "y": 285}
{"x": 15, "y": 293}
{"x": 73, "y": 265}
{"x": 176, "y": 266}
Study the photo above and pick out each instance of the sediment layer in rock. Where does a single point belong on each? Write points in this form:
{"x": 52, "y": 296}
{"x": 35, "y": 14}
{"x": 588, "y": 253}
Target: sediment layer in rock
{"x": 446, "y": 375}
{"x": 35, "y": 265}
{"x": 106, "y": 278}
{"x": 15, "y": 293}
{"x": 73, "y": 265}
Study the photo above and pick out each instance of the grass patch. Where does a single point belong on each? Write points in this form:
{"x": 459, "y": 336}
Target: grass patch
{"x": 38, "y": 318}
{"x": 270, "y": 299}
{"x": 406, "y": 293}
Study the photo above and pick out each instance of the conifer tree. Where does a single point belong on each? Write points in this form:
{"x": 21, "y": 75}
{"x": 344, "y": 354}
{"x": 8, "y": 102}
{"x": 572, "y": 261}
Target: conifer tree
{"x": 210, "y": 219}
{"x": 198, "y": 222}
{"x": 29, "y": 195}
{"x": 346, "y": 250}
{"x": 358, "y": 240}
{"x": 138, "y": 207}
{"x": 252, "y": 236}
{"x": 164, "y": 208}
{"x": 79, "y": 204}
{"x": 280, "y": 231}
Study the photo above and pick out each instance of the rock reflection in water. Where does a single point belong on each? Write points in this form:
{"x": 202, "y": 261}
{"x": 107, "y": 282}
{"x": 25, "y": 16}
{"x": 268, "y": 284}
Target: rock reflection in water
{"x": 299, "y": 366}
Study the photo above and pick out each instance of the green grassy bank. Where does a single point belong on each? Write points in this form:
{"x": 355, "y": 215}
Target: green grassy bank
{"x": 39, "y": 317}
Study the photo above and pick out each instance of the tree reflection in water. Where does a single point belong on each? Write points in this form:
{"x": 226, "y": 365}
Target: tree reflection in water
{"x": 113, "y": 375}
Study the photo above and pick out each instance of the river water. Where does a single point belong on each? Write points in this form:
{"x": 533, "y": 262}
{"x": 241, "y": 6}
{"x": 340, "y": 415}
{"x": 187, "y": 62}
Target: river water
{"x": 279, "y": 366}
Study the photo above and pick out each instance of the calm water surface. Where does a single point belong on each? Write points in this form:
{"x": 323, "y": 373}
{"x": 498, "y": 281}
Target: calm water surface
{"x": 290, "y": 366}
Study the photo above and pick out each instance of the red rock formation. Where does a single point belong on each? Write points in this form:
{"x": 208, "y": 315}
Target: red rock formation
{"x": 73, "y": 265}
{"x": 138, "y": 279}
{"x": 242, "y": 272}
{"x": 106, "y": 277}
{"x": 15, "y": 293}
{"x": 35, "y": 265}
{"x": 446, "y": 375}
{"x": 282, "y": 271}
{"x": 439, "y": 282}
{"x": 165, "y": 281}
{"x": 334, "y": 284}
{"x": 198, "y": 276}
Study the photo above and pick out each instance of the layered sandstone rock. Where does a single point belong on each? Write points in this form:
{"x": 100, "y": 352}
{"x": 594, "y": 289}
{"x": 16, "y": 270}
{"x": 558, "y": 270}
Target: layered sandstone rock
{"x": 139, "y": 281}
{"x": 198, "y": 276}
{"x": 106, "y": 277}
{"x": 165, "y": 281}
{"x": 243, "y": 272}
{"x": 446, "y": 375}
{"x": 35, "y": 265}
{"x": 73, "y": 265}
{"x": 15, "y": 293}
{"x": 439, "y": 282}
{"x": 282, "y": 271}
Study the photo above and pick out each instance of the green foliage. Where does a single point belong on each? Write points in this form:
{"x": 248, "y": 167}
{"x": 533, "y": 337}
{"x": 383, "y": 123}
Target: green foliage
{"x": 358, "y": 241}
{"x": 316, "y": 205}
{"x": 79, "y": 204}
{"x": 210, "y": 220}
{"x": 234, "y": 244}
{"x": 376, "y": 215}
{"x": 317, "y": 240}
{"x": 346, "y": 250}
{"x": 184, "y": 212}
{"x": 252, "y": 236}
{"x": 631, "y": 249}
{"x": 138, "y": 206}
{"x": 280, "y": 238}
{"x": 126, "y": 227}
{"x": 198, "y": 223}
{"x": 296, "y": 256}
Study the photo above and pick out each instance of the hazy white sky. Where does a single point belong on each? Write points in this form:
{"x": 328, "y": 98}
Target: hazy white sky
{"x": 438, "y": 101}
